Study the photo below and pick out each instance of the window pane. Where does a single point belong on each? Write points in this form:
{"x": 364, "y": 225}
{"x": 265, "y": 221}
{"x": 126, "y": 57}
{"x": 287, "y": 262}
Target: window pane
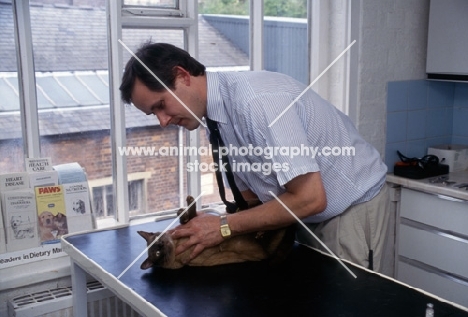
{"x": 11, "y": 141}
{"x": 10, "y": 99}
{"x": 285, "y": 8}
{"x": 110, "y": 211}
{"x": 153, "y": 3}
{"x": 224, "y": 34}
{"x": 285, "y": 38}
{"x": 224, "y": 45}
{"x": 98, "y": 203}
{"x": 144, "y": 133}
{"x": 135, "y": 193}
{"x": 134, "y": 38}
{"x": 70, "y": 56}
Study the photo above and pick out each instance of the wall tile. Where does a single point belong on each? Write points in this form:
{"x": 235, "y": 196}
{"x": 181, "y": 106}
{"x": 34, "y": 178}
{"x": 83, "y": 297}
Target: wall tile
{"x": 440, "y": 94}
{"x": 436, "y": 122}
{"x": 438, "y": 141}
{"x": 460, "y": 122}
{"x": 396, "y": 127}
{"x": 436, "y": 113}
{"x": 447, "y": 122}
{"x": 397, "y": 96}
{"x": 417, "y": 94}
{"x": 461, "y": 95}
{"x": 417, "y": 148}
{"x": 459, "y": 140}
{"x": 416, "y": 125}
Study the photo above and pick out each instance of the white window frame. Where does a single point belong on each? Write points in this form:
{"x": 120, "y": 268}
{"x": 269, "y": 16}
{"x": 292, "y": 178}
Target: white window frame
{"x": 26, "y": 79}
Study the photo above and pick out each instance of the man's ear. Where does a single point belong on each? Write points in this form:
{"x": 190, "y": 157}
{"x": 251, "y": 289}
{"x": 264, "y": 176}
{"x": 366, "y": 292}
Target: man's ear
{"x": 182, "y": 74}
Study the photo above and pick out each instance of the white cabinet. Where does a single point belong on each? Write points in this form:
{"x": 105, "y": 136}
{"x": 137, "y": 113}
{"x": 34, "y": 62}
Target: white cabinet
{"x": 433, "y": 244}
{"x": 447, "y": 40}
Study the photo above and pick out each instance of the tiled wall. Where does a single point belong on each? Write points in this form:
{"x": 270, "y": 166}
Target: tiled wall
{"x": 422, "y": 113}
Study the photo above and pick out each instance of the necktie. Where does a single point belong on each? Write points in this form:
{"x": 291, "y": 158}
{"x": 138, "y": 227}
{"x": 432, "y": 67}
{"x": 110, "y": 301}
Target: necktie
{"x": 217, "y": 142}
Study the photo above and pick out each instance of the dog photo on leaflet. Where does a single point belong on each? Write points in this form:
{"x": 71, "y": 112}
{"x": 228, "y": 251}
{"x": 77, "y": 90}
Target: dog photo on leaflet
{"x": 51, "y": 213}
{"x": 22, "y": 227}
{"x": 79, "y": 207}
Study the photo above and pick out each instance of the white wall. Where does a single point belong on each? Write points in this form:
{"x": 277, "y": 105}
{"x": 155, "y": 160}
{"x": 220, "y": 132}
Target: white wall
{"x": 392, "y": 47}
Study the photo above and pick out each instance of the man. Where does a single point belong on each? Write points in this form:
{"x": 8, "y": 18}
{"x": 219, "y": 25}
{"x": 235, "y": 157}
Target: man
{"x": 343, "y": 198}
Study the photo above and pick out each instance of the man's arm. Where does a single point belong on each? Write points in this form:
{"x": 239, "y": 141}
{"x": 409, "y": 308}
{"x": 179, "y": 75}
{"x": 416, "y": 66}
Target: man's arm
{"x": 304, "y": 196}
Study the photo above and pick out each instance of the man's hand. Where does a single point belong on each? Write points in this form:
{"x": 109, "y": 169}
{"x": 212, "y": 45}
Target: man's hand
{"x": 203, "y": 232}
{"x": 304, "y": 195}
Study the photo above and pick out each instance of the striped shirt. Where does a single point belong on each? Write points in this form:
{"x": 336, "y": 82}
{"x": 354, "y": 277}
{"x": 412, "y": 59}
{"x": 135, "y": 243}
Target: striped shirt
{"x": 265, "y": 158}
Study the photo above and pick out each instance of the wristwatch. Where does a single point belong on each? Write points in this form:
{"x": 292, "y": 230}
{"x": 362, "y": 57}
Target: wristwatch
{"x": 225, "y": 230}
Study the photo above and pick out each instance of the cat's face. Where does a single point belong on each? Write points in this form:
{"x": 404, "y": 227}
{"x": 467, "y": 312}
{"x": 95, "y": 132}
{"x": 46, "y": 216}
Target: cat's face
{"x": 161, "y": 253}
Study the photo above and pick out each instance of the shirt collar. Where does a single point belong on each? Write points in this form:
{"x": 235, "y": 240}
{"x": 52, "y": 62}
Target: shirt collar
{"x": 215, "y": 106}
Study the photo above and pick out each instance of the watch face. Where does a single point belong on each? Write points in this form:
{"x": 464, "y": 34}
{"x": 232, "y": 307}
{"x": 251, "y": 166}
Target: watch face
{"x": 225, "y": 231}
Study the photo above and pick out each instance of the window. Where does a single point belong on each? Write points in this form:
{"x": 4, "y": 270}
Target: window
{"x": 136, "y": 196}
{"x": 72, "y": 85}
{"x": 285, "y": 38}
{"x": 103, "y": 202}
{"x": 80, "y": 117}
{"x": 173, "y": 4}
{"x": 102, "y": 195}
{"x": 144, "y": 131}
{"x": 223, "y": 46}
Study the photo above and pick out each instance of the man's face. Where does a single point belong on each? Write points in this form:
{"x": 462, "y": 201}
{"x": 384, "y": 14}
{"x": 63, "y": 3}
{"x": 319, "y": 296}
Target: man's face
{"x": 167, "y": 108}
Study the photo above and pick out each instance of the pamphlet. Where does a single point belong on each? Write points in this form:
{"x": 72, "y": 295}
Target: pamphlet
{"x": 20, "y": 220}
{"x": 2, "y": 233}
{"x": 9, "y": 182}
{"x": 49, "y": 178}
{"x": 13, "y": 181}
{"x": 34, "y": 165}
{"x": 78, "y": 207}
{"x": 70, "y": 173}
{"x": 51, "y": 213}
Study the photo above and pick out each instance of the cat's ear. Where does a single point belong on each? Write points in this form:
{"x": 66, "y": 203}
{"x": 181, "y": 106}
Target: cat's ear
{"x": 146, "y": 264}
{"x": 145, "y": 235}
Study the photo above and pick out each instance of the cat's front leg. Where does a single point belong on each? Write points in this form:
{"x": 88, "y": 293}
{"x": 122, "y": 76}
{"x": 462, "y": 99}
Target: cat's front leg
{"x": 190, "y": 213}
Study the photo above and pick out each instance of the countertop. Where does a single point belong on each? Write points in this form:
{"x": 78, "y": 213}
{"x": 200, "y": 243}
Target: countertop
{"x": 307, "y": 283}
{"x": 427, "y": 186}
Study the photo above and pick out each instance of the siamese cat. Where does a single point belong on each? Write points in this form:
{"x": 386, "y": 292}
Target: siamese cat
{"x": 266, "y": 245}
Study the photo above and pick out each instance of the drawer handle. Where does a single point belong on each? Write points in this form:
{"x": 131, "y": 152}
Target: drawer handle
{"x": 450, "y": 198}
{"x": 440, "y": 232}
{"x": 430, "y": 269}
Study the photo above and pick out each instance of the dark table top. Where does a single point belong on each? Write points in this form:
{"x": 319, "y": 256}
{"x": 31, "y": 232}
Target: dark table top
{"x": 308, "y": 283}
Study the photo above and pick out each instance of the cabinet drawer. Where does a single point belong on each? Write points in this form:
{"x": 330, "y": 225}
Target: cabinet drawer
{"x": 432, "y": 210}
{"x": 445, "y": 252}
{"x": 433, "y": 283}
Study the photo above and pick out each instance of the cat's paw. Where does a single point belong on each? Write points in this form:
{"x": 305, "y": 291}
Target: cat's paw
{"x": 190, "y": 213}
{"x": 185, "y": 217}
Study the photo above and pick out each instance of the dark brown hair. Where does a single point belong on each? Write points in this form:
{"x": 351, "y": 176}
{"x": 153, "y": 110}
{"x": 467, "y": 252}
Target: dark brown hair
{"x": 161, "y": 59}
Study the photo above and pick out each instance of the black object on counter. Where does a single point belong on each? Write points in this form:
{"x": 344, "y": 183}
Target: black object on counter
{"x": 418, "y": 168}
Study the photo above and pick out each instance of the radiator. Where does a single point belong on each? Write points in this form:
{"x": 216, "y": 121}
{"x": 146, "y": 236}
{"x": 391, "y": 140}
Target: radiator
{"x": 59, "y": 303}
